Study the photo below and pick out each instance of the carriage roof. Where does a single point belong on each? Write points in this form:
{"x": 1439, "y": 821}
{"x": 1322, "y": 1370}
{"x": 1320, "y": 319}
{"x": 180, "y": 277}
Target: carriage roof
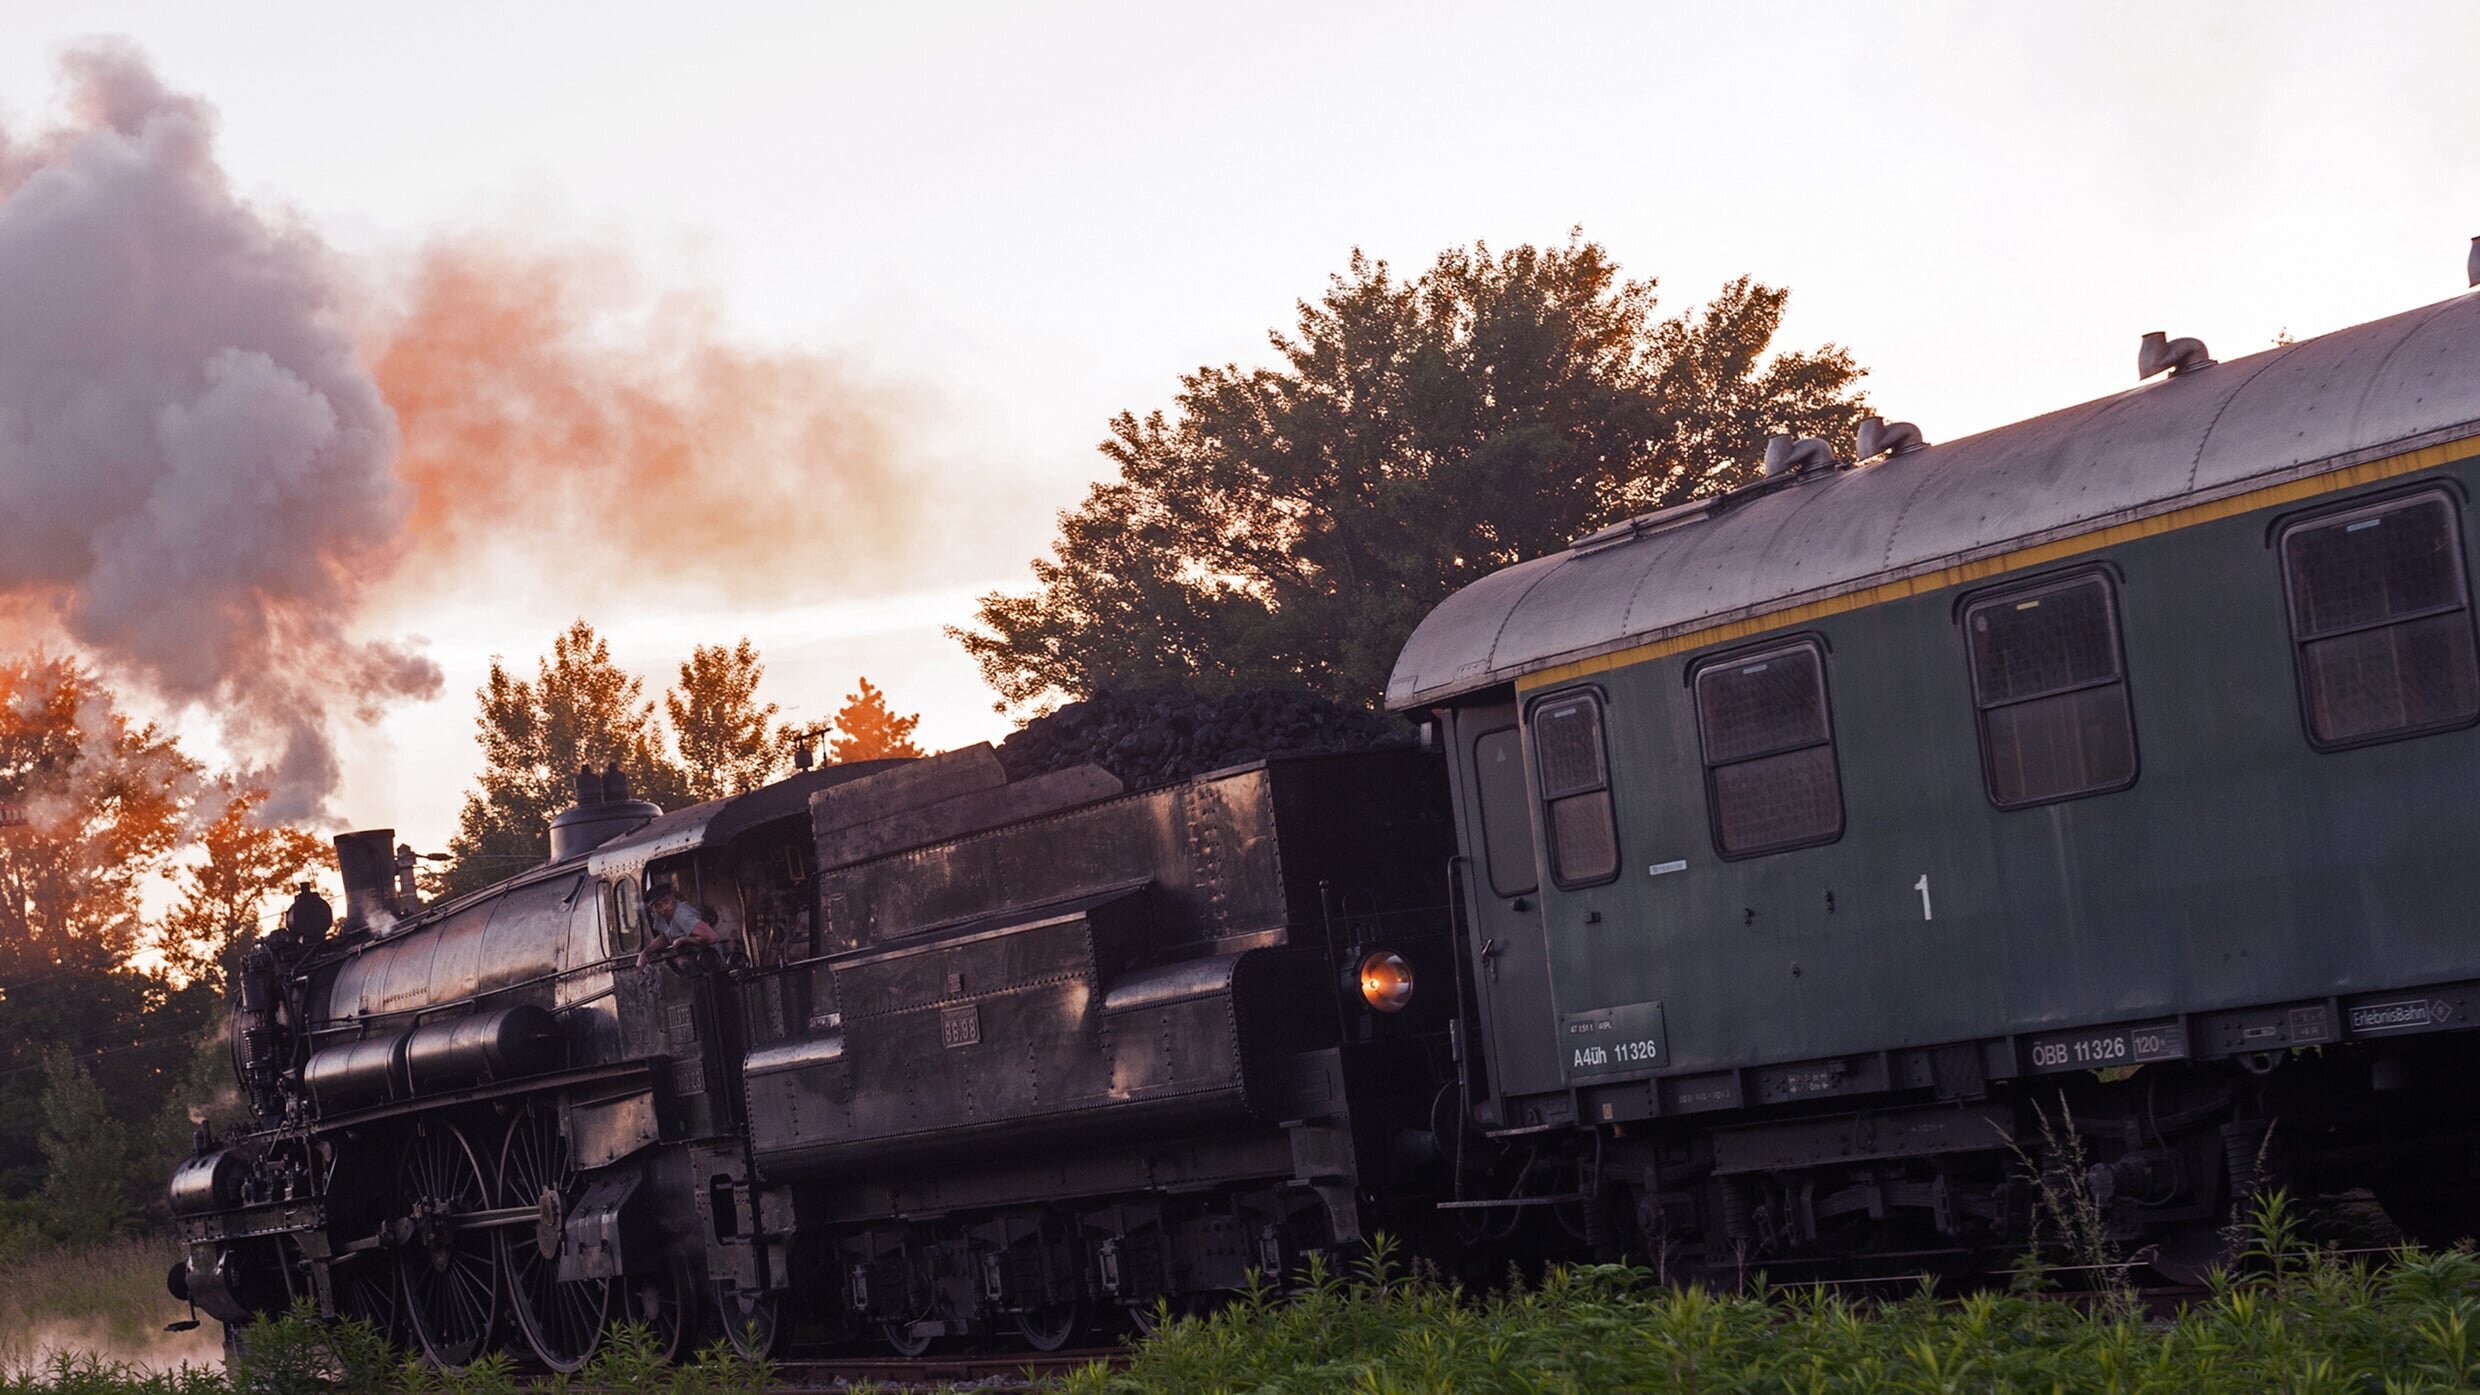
{"x": 2371, "y": 391}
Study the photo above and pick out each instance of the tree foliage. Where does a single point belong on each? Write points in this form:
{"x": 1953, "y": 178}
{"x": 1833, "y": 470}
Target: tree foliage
{"x": 89, "y": 1167}
{"x": 1290, "y": 524}
{"x": 237, "y": 886}
{"x": 105, "y": 799}
{"x": 729, "y": 742}
{"x": 866, "y": 728}
{"x": 580, "y": 709}
{"x": 95, "y": 1041}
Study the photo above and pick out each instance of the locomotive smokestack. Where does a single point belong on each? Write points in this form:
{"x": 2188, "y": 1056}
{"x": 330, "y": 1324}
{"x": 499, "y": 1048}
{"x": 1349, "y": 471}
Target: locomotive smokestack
{"x": 589, "y": 786}
{"x": 615, "y": 785}
{"x": 367, "y": 862}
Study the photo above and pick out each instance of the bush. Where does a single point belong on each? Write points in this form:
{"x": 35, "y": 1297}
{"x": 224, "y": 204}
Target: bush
{"x": 2299, "y": 1322}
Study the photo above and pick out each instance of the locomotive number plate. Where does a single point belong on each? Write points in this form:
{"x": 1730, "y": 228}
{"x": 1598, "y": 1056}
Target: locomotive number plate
{"x": 2103, "y": 1047}
{"x": 960, "y": 1026}
{"x": 1610, "y": 1041}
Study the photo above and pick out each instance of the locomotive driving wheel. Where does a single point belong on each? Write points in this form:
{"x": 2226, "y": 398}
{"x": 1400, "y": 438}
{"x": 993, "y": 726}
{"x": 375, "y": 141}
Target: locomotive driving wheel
{"x": 653, "y": 1301}
{"x": 366, "y": 1287}
{"x": 449, "y": 1271}
{"x": 752, "y": 1322}
{"x": 562, "y": 1319}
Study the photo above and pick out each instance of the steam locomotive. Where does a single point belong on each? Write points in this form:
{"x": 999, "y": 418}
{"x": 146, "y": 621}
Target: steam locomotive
{"x": 1816, "y": 874}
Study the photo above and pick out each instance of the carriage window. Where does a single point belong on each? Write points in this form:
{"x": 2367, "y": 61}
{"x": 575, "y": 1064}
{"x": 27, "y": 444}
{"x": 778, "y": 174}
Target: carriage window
{"x": 1506, "y": 830}
{"x": 1770, "y": 774}
{"x": 625, "y": 913}
{"x": 2381, "y": 621}
{"x": 2049, "y": 679}
{"x": 1575, "y": 789}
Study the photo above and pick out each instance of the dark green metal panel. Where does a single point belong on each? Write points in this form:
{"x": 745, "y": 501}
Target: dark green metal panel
{"x": 2242, "y": 867}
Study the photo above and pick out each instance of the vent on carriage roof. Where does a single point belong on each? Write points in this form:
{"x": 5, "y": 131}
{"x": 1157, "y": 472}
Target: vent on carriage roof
{"x": 2160, "y": 351}
{"x": 1797, "y": 455}
{"x": 1879, "y": 436}
{"x": 2471, "y": 267}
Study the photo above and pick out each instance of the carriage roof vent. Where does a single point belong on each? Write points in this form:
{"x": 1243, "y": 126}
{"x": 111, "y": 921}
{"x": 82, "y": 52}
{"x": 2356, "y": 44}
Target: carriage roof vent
{"x": 1879, "y": 436}
{"x": 2471, "y": 264}
{"x": 2160, "y": 351}
{"x": 1797, "y": 455}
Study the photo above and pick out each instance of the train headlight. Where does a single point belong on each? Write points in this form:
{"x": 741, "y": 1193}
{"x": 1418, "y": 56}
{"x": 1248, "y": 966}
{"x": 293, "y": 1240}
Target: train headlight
{"x": 1386, "y": 981}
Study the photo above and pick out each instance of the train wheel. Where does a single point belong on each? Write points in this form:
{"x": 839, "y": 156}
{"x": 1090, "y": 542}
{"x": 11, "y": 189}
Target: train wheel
{"x": 652, "y": 1301}
{"x": 1052, "y": 1327}
{"x": 449, "y": 1271}
{"x": 753, "y": 1323}
{"x": 903, "y": 1340}
{"x": 1146, "y": 1319}
{"x": 366, "y": 1288}
{"x": 562, "y": 1321}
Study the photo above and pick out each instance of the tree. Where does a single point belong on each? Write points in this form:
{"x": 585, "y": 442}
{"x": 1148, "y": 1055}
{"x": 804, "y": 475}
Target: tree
{"x": 866, "y": 729}
{"x": 728, "y": 743}
{"x": 237, "y": 888}
{"x": 1290, "y": 525}
{"x": 581, "y": 709}
{"x": 105, "y": 800}
{"x": 86, "y": 1152}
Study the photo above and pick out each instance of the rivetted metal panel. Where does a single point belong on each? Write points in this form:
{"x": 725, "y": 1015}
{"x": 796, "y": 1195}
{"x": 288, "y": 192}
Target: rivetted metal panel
{"x": 2393, "y": 384}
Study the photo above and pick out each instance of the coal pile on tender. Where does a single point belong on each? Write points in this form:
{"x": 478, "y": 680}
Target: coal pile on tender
{"x": 1160, "y": 736}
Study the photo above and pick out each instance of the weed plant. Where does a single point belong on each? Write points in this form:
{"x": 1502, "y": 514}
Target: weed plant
{"x": 2289, "y": 1318}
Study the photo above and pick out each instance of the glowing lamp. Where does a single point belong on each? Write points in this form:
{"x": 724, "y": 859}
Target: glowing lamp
{"x": 1386, "y": 981}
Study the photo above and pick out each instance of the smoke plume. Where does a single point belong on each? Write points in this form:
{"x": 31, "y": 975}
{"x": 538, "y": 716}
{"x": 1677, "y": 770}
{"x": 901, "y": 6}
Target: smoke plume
{"x": 194, "y": 463}
{"x": 551, "y": 406}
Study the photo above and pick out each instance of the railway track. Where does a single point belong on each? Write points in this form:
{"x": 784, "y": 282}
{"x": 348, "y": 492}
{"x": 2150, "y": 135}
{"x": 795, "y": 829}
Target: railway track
{"x": 996, "y": 1371}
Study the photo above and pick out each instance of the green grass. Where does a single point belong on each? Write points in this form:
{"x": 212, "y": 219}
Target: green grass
{"x": 2297, "y": 1320}
{"x": 106, "y": 1299}
{"x": 2303, "y": 1324}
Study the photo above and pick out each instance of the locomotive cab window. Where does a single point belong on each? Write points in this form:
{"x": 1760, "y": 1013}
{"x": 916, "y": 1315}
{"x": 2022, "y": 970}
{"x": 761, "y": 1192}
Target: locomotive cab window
{"x": 625, "y": 913}
{"x": 2049, "y": 680}
{"x": 2381, "y": 621}
{"x": 1575, "y": 789}
{"x": 1506, "y": 828}
{"x": 1770, "y": 776}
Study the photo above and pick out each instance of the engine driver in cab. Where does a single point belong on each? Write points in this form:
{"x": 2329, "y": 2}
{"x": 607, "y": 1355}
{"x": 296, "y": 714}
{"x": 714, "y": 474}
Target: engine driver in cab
{"x": 673, "y": 926}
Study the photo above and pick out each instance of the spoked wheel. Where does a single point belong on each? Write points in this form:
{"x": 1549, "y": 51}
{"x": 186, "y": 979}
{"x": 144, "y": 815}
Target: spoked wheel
{"x": 449, "y": 1270}
{"x": 1053, "y": 1326}
{"x": 652, "y": 1301}
{"x": 752, "y": 1322}
{"x": 562, "y": 1322}
{"x": 366, "y": 1287}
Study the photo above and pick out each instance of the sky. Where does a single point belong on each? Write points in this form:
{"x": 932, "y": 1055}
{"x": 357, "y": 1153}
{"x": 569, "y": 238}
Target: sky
{"x": 1000, "y": 225}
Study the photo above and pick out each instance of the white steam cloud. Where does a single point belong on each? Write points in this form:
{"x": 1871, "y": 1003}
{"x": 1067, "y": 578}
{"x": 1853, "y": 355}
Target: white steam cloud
{"x": 195, "y": 465}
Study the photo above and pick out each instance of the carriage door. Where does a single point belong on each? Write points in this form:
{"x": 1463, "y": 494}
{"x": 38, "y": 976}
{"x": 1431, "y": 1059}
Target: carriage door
{"x": 1505, "y": 944}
